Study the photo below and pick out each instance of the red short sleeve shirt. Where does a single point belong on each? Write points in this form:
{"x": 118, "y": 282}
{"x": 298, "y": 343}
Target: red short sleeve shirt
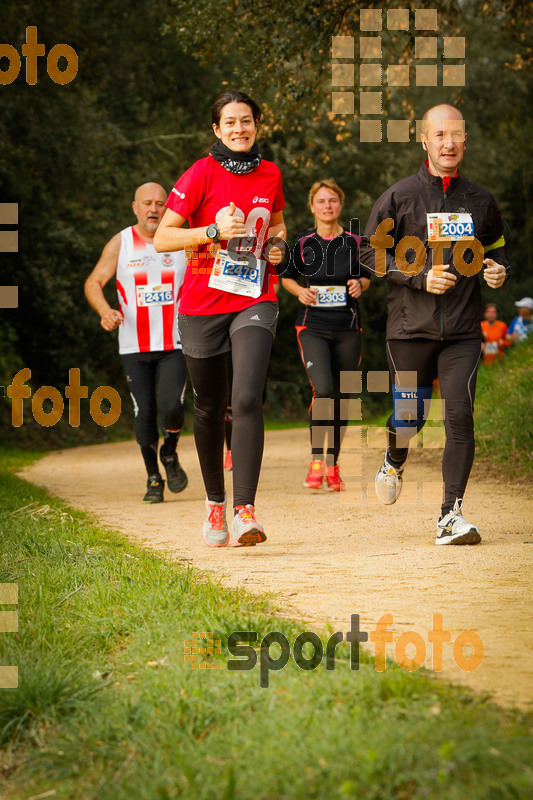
{"x": 203, "y": 195}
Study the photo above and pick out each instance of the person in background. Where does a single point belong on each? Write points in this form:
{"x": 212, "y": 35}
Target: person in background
{"x": 522, "y": 324}
{"x": 148, "y": 289}
{"x": 328, "y": 326}
{"x": 494, "y": 332}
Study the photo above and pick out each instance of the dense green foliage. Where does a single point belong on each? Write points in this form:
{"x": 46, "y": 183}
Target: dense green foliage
{"x": 71, "y": 157}
{"x": 107, "y": 707}
{"x": 138, "y": 109}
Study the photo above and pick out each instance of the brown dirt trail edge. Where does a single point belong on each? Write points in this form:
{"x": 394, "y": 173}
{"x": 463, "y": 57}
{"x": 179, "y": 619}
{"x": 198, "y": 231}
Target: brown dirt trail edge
{"x": 330, "y": 555}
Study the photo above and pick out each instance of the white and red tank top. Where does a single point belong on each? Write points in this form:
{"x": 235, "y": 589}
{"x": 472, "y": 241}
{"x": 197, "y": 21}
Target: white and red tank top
{"x": 149, "y": 288}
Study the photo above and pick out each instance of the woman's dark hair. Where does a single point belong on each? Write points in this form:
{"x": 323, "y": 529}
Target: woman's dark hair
{"x": 233, "y": 97}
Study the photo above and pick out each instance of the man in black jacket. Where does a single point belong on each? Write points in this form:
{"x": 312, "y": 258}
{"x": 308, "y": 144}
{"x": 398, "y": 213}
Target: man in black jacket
{"x": 429, "y": 235}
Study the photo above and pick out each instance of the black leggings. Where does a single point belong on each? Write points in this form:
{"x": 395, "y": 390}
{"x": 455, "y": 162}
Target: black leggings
{"x": 228, "y": 420}
{"x": 156, "y": 382}
{"x": 455, "y": 364}
{"x": 325, "y": 355}
{"x": 250, "y": 354}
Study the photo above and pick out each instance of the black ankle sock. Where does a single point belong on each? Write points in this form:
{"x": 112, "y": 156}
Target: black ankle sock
{"x": 168, "y": 448}
{"x": 393, "y": 462}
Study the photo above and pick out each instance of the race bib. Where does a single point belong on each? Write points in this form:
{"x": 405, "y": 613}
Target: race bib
{"x": 238, "y": 274}
{"x": 449, "y": 225}
{"x": 330, "y": 296}
{"x": 491, "y": 348}
{"x": 155, "y": 295}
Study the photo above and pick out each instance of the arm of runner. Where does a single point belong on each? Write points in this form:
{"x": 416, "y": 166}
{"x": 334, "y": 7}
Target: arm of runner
{"x": 495, "y": 274}
{"x": 356, "y": 286}
{"x": 306, "y": 296}
{"x": 105, "y": 269}
{"x": 438, "y": 281}
{"x": 504, "y": 341}
{"x": 374, "y": 256}
{"x": 511, "y": 336}
{"x": 171, "y": 235}
{"x": 378, "y": 247}
{"x": 278, "y": 230}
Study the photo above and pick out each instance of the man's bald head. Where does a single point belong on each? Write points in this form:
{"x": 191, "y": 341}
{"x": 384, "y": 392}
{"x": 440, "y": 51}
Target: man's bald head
{"x": 449, "y": 112}
{"x": 149, "y": 206}
{"x": 149, "y": 189}
{"x": 443, "y": 137}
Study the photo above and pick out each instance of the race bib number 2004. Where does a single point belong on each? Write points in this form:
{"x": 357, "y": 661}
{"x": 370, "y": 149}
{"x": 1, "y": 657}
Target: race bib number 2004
{"x": 449, "y": 225}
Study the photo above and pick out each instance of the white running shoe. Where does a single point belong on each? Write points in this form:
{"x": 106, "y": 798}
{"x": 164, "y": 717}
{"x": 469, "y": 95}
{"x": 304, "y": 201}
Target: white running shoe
{"x": 388, "y": 482}
{"x": 454, "y": 529}
{"x": 245, "y": 529}
{"x": 215, "y": 531}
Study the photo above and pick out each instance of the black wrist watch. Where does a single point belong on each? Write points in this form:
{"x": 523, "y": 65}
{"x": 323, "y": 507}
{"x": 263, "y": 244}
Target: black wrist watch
{"x": 213, "y": 232}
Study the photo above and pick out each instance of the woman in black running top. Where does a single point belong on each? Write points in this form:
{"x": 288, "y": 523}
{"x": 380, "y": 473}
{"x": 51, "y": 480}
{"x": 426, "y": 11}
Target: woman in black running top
{"x": 325, "y": 276}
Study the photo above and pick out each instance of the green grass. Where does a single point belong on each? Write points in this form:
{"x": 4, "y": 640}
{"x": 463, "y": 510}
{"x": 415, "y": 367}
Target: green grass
{"x": 108, "y": 709}
{"x": 503, "y": 418}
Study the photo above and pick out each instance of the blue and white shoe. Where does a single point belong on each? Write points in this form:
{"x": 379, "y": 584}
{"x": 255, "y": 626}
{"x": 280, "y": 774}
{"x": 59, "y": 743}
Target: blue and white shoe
{"x": 454, "y": 529}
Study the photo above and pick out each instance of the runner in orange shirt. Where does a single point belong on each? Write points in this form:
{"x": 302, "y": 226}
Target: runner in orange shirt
{"x": 494, "y": 331}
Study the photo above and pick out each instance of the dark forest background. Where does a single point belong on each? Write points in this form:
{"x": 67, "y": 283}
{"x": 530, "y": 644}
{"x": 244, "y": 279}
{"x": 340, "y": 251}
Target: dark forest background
{"x": 139, "y": 109}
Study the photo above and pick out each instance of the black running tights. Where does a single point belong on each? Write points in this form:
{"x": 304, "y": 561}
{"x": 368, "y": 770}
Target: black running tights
{"x": 156, "y": 382}
{"x": 455, "y": 364}
{"x": 325, "y": 355}
{"x": 250, "y": 354}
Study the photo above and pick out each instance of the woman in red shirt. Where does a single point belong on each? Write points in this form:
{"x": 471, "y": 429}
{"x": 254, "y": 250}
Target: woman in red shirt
{"x": 233, "y": 201}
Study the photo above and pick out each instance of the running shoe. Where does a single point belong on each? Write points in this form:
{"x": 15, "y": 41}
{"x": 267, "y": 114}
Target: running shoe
{"x": 177, "y": 479}
{"x": 154, "y": 489}
{"x": 315, "y": 476}
{"x": 228, "y": 463}
{"x": 454, "y": 529}
{"x": 334, "y": 480}
{"x": 215, "y": 531}
{"x": 388, "y": 482}
{"x": 245, "y": 529}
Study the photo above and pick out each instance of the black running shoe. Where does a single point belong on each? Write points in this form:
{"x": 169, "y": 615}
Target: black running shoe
{"x": 155, "y": 488}
{"x": 177, "y": 479}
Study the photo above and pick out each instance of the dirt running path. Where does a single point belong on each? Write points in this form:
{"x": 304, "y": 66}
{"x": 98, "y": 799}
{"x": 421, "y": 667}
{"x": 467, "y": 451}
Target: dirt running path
{"x": 332, "y": 555}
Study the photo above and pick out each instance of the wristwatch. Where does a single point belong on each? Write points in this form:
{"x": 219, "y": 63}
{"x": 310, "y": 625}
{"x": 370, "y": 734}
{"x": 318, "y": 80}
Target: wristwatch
{"x": 212, "y": 232}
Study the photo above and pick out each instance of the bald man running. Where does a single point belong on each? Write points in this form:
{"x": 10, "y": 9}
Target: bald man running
{"x": 148, "y": 288}
{"x": 433, "y": 326}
